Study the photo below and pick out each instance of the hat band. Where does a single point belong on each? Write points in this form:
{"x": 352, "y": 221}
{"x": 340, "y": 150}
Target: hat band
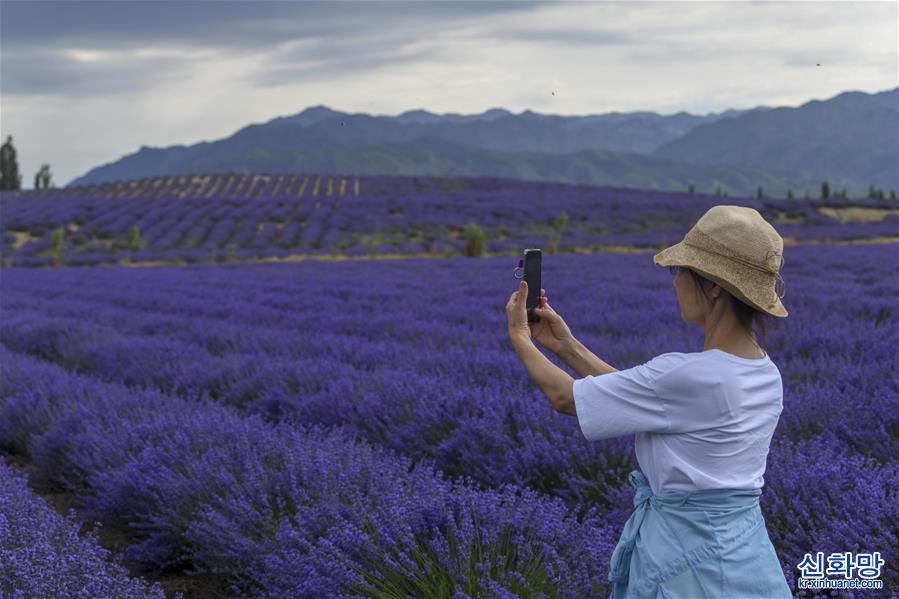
{"x": 741, "y": 260}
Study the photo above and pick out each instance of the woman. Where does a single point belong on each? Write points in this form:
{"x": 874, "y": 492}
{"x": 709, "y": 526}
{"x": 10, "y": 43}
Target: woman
{"x": 702, "y": 421}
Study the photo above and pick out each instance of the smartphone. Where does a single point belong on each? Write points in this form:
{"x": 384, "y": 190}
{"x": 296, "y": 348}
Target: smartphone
{"x": 532, "y": 263}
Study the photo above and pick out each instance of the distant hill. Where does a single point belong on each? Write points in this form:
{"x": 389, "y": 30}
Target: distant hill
{"x": 853, "y": 135}
{"x": 437, "y": 157}
{"x": 495, "y": 129}
{"x": 636, "y": 149}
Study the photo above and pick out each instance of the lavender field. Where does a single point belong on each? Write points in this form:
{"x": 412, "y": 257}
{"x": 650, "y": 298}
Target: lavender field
{"x": 238, "y": 218}
{"x": 364, "y": 428}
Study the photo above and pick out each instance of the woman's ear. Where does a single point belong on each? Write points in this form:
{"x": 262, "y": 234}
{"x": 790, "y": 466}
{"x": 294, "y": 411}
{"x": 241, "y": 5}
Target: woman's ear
{"x": 712, "y": 290}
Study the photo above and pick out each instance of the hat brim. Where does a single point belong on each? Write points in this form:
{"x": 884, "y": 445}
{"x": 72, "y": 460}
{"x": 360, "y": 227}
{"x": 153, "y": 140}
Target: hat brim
{"x": 754, "y": 287}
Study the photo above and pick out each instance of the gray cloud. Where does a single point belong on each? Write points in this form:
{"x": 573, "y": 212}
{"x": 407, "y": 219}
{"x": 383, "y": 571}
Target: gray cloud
{"x": 346, "y": 55}
{"x": 234, "y": 24}
{"x": 346, "y": 61}
{"x": 349, "y": 36}
{"x": 49, "y": 72}
{"x": 568, "y": 37}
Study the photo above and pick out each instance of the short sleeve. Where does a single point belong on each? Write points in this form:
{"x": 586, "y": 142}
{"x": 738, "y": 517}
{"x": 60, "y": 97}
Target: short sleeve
{"x": 623, "y": 402}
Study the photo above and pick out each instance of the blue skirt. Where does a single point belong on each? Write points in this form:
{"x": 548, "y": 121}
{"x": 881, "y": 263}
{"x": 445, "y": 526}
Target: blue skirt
{"x": 711, "y": 543}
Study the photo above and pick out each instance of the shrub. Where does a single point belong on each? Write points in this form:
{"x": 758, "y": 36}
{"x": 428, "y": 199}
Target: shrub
{"x": 475, "y": 240}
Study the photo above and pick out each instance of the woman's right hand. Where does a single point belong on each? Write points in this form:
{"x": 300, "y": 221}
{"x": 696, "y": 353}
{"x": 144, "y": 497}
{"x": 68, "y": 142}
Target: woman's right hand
{"x": 551, "y": 331}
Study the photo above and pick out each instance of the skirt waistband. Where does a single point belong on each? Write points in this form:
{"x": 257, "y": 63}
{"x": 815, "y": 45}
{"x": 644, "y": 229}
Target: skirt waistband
{"x": 736, "y": 500}
{"x": 705, "y": 498}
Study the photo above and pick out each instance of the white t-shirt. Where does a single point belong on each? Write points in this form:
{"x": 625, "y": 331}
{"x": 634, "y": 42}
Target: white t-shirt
{"x": 702, "y": 420}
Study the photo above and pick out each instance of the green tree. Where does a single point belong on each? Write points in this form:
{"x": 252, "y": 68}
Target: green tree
{"x": 691, "y": 189}
{"x": 760, "y": 193}
{"x": 875, "y": 193}
{"x": 789, "y": 194}
{"x": 9, "y": 167}
{"x": 475, "y": 240}
{"x": 43, "y": 179}
{"x": 892, "y": 194}
{"x": 825, "y": 190}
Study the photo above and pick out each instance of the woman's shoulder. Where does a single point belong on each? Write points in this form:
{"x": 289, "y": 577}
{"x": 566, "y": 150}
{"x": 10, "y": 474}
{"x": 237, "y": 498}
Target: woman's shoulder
{"x": 669, "y": 362}
{"x": 714, "y": 355}
{"x": 674, "y": 358}
{"x": 684, "y": 376}
{"x": 710, "y": 363}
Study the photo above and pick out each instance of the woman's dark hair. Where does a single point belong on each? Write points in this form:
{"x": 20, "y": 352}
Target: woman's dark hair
{"x": 750, "y": 318}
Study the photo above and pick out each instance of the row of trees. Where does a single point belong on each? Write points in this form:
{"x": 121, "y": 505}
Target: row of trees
{"x": 873, "y": 192}
{"x": 10, "y": 179}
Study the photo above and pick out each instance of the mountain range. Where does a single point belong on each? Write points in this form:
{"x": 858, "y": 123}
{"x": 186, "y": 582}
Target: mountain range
{"x": 851, "y": 141}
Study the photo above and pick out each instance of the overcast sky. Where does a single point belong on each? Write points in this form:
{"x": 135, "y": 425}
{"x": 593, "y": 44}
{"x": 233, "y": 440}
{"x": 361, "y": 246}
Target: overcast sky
{"x": 84, "y": 83}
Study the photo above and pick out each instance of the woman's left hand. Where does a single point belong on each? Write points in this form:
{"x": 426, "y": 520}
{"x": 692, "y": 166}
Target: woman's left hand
{"x": 517, "y": 314}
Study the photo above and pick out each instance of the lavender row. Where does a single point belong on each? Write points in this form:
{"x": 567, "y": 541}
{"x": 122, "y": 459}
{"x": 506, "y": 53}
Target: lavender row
{"x": 278, "y": 511}
{"x": 810, "y": 485}
{"x": 835, "y": 351}
{"x": 361, "y": 392}
{"x": 432, "y": 383}
{"x": 43, "y": 554}
{"x": 194, "y": 187}
{"x": 821, "y": 496}
{"x": 391, "y": 215}
{"x": 77, "y": 431}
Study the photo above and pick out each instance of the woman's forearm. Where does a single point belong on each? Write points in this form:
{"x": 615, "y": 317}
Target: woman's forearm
{"x": 552, "y": 380}
{"x": 582, "y": 360}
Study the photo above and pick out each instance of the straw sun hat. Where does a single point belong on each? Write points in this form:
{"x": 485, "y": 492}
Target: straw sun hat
{"x": 736, "y": 248}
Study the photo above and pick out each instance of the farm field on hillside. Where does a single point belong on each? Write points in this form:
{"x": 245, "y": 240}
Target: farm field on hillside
{"x": 238, "y": 218}
{"x": 365, "y": 426}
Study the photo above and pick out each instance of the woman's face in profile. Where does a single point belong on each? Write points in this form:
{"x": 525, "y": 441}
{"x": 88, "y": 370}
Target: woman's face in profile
{"x": 693, "y": 305}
